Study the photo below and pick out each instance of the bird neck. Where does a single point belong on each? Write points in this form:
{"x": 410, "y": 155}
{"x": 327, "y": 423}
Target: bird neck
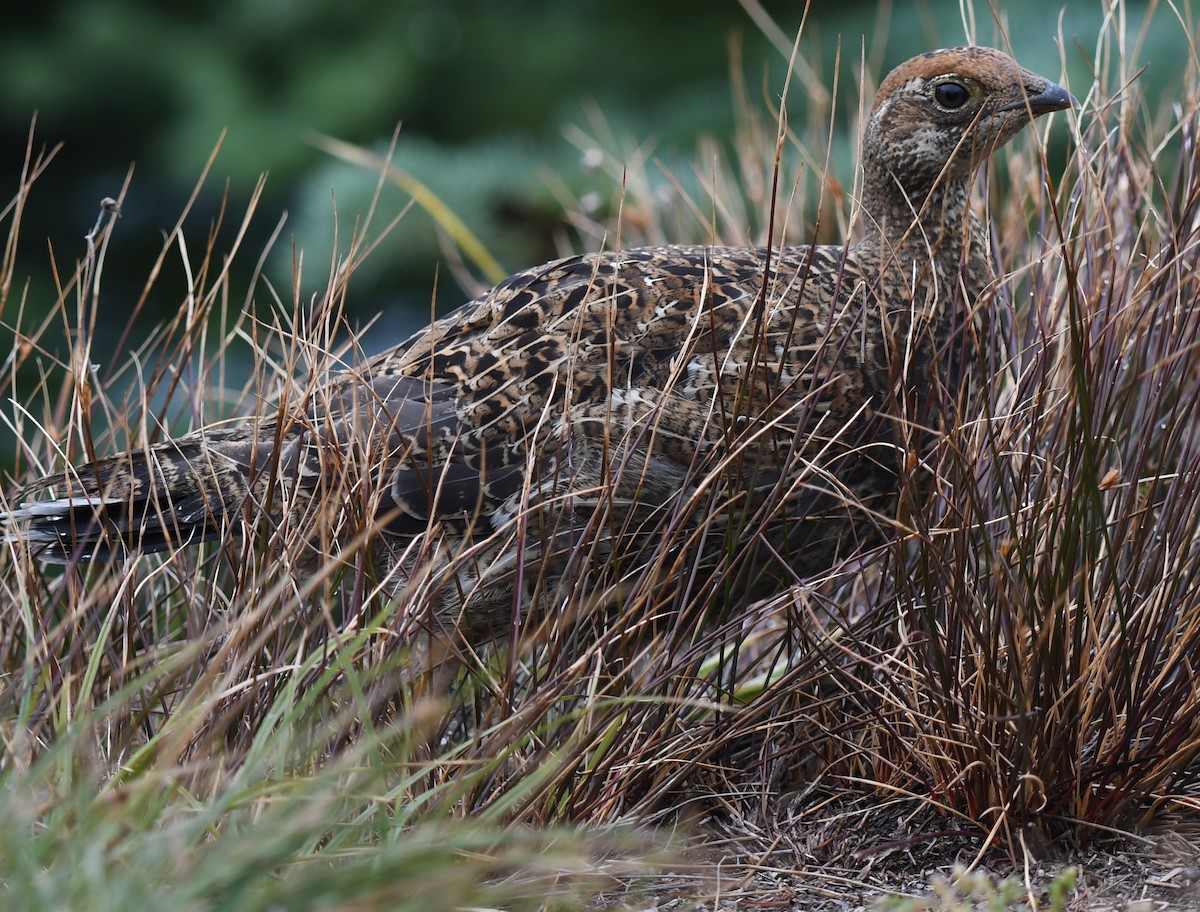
{"x": 921, "y": 219}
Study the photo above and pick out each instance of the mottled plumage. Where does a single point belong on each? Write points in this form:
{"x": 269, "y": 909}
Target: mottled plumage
{"x": 583, "y": 399}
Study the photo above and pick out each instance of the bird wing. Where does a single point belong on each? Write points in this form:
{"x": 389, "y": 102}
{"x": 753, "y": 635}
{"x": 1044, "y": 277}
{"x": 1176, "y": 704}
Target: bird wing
{"x": 601, "y": 370}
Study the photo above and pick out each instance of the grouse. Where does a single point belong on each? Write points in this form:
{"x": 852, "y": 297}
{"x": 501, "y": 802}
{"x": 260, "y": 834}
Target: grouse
{"x": 588, "y": 407}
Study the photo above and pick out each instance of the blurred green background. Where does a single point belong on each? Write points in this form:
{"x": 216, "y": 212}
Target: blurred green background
{"x": 484, "y": 91}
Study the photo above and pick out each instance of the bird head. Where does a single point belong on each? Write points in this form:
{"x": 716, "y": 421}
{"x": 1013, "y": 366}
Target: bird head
{"x": 940, "y": 115}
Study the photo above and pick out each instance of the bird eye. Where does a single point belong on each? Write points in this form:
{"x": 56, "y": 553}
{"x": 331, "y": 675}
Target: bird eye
{"x": 951, "y": 95}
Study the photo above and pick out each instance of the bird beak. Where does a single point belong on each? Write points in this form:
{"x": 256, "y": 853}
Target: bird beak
{"x": 1052, "y": 98}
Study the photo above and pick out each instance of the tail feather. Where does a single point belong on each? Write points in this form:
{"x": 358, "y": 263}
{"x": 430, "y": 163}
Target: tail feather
{"x": 175, "y": 494}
